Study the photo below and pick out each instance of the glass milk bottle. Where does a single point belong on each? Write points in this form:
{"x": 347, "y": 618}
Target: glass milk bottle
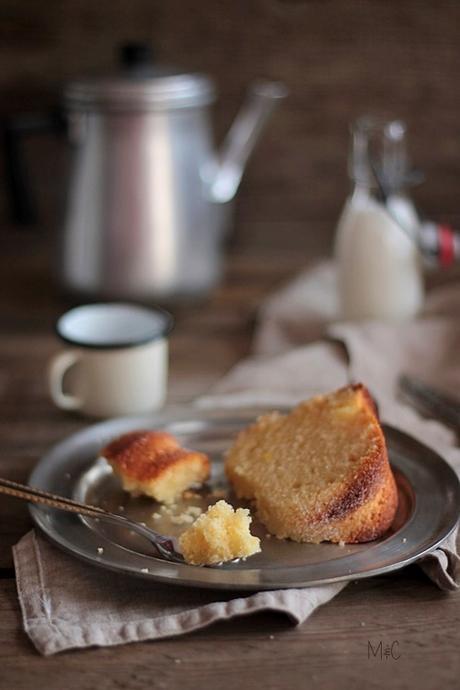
{"x": 379, "y": 265}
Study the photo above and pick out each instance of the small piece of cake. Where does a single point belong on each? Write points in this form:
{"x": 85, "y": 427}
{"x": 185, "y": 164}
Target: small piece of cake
{"x": 219, "y": 535}
{"x": 320, "y": 473}
{"x": 154, "y": 464}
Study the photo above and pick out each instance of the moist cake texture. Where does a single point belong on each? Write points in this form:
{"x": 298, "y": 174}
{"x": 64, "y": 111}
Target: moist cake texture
{"x": 320, "y": 473}
{"x": 219, "y": 535}
{"x": 154, "y": 464}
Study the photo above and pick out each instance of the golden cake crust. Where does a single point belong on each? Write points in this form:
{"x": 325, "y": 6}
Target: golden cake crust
{"x": 144, "y": 455}
{"x": 153, "y": 463}
{"x": 359, "y": 507}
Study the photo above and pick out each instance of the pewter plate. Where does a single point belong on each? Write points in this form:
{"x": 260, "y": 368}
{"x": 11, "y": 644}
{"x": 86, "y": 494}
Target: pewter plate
{"x": 429, "y": 499}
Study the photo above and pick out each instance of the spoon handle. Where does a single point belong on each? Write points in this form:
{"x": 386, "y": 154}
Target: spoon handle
{"x": 34, "y": 495}
{"x": 163, "y": 544}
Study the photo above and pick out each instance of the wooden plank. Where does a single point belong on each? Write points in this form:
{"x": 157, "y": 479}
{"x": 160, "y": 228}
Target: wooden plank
{"x": 331, "y": 650}
{"x": 338, "y": 59}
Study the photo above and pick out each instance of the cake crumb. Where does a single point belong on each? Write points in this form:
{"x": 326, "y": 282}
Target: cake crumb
{"x": 341, "y": 544}
{"x": 144, "y": 570}
{"x": 156, "y": 516}
{"x": 100, "y": 550}
{"x": 404, "y": 540}
{"x": 177, "y": 661}
{"x": 121, "y": 509}
{"x": 188, "y": 493}
{"x": 194, "y": 510}
{"x": 271, "y": 637}
{"x": 181, "y": 519}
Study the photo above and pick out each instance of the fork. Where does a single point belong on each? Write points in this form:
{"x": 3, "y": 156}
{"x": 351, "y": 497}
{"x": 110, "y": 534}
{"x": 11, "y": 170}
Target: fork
{"x": 166, "y": 546}
{"x": 431, "y": 401}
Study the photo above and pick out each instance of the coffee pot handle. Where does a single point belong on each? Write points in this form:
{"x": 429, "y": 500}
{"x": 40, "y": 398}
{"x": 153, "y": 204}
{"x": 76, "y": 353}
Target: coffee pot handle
{"x": 22, "y": 202}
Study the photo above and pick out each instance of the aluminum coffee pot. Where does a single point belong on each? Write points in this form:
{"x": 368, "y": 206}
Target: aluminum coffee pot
{"x": 149, "y": 198}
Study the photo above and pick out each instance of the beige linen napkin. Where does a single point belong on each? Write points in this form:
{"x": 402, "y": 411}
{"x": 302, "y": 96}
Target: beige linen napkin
{"x": 67, "y": 604}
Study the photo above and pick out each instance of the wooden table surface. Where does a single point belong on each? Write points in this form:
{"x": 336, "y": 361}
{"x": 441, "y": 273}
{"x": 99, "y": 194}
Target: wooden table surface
{"x": 331, "y": 650}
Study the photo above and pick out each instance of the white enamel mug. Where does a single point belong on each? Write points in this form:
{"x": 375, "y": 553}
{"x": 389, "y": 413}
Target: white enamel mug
{"x": 117, "y": 363}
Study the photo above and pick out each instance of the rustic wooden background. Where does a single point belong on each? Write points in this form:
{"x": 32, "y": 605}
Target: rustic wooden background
{"x": 339, "y": 58}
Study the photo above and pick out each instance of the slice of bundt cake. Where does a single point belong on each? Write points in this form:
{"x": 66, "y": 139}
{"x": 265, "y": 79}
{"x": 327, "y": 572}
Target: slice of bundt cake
{"x": 154, "y": 464}
{"x": 320, "y": 473}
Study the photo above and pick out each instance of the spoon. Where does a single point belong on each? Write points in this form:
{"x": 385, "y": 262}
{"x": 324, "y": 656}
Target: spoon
{"x": 166, "y": 546}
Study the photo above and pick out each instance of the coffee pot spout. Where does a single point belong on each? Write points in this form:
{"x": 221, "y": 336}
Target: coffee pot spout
{"x": 231, "y": 160}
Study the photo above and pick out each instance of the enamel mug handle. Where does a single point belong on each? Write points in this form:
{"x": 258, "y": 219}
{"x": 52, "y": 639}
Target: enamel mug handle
{"x": 59, "y": 365}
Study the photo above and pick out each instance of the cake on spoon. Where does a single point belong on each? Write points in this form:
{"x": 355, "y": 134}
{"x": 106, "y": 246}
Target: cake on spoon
{"x": 219, "y": 535}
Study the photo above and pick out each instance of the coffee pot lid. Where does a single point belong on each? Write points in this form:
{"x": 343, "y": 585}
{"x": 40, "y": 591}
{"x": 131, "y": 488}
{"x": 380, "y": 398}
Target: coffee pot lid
{"x": 140, "y": 84}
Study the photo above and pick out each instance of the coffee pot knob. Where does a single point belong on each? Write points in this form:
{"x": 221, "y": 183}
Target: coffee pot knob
{"x": 135, "y": 56}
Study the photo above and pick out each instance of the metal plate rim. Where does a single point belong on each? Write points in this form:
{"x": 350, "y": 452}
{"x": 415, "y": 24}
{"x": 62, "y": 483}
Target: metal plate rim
{"x": 170, "y": 574}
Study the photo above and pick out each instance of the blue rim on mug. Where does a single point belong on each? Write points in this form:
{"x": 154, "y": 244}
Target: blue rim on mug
{"x": 163, "y": 327}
